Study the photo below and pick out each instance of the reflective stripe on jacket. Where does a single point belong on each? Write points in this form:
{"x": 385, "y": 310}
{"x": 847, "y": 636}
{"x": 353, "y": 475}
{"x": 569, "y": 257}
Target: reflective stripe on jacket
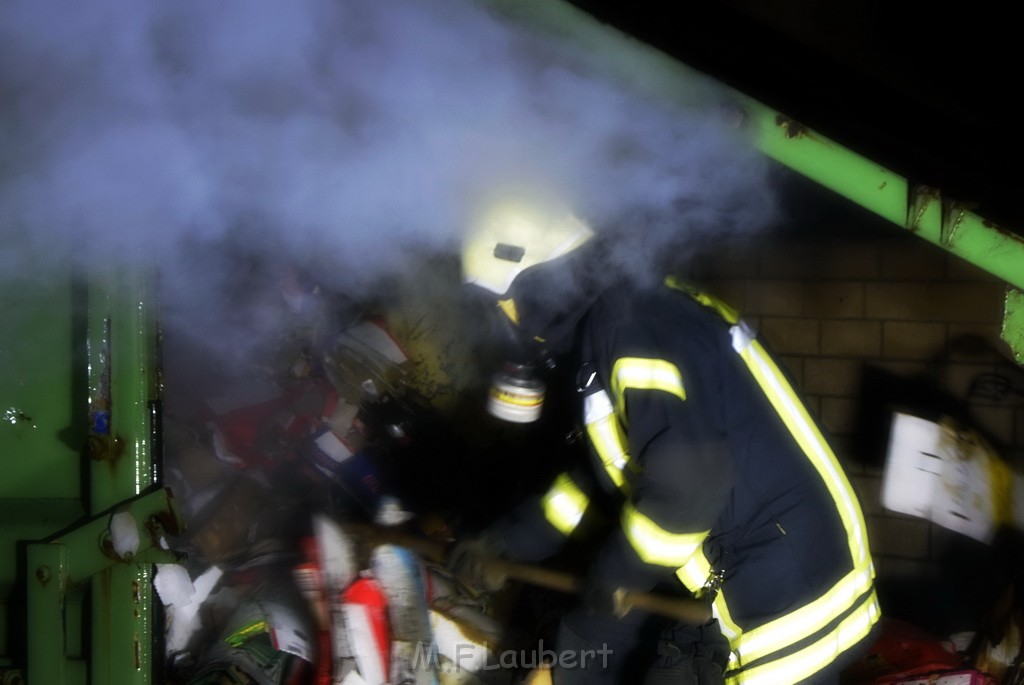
{"x": 726, "y": 479}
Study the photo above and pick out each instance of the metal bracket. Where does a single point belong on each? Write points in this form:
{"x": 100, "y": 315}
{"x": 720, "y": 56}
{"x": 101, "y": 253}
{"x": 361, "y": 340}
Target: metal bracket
{"x": 924, "y": 209}
{"x": 953, "y": 216}
{"x": 80, "y": 553}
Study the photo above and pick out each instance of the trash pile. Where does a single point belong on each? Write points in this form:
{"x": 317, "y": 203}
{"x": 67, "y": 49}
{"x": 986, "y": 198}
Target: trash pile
{"x": 270, "y": 468}
{"x": 331, "y": 614}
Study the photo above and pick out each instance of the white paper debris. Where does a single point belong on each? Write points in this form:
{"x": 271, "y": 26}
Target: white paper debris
{"x": 287, "y": 630}
{"x": 337, "y": 554}
{"x": 391, "y": 513}
{"x": 453, "y": 644}
{"x": 945, "y": 475}
{"x": 181, "y": 618}
{"x": 173, "y": 584}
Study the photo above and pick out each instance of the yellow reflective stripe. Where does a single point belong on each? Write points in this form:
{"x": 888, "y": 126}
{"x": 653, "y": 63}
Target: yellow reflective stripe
{"x": 792, "y": 411}
{"x": 608, "y": 440}
{"x": 695, "y": 573}
{"x": 796, "y": 625}
{"x": 724, "y": 310}
{"x": 239, "y": 637}
{"x": 564, "y": 504}
{"x": 644, "y": 374}
{"x": 607, "y": 437}
{"x": 508, "y": 307}
{"x": 796, "y": 667}
{"x": 654, "y": 544}
{"x": 520, "y": 399}
{"x": 807, "y": 435}
{"x": 731, "y": 631}
{"x": 805, "y": 621}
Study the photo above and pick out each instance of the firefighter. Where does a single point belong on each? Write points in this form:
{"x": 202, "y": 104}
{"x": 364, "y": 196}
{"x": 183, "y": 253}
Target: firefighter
{"x": 714, "y": 469}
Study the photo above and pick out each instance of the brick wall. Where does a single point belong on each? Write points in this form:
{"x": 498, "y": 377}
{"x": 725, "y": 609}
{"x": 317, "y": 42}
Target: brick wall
{"x": 867, "y": 325}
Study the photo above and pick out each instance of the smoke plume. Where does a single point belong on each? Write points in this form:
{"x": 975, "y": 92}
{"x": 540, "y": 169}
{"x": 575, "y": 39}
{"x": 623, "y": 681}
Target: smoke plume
{"x": 346, "y": 136}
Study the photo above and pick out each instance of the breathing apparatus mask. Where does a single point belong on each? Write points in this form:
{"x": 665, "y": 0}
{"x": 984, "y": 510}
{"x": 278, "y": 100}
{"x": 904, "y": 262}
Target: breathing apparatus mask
{"x": 531, "y": 267}
{"x": 517, "y": 389}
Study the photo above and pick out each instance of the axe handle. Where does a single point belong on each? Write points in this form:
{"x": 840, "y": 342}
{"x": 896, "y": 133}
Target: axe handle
{"x": 684, "y": 609}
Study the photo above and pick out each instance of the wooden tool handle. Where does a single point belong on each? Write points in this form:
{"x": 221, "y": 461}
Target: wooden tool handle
{"x": 683, "y": 609}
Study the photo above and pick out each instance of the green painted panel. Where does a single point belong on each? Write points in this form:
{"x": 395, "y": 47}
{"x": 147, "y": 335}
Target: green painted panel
{"x": 79, "y": 367}
{"x": 41, "y": 426}
{"x": 42, "y": 415}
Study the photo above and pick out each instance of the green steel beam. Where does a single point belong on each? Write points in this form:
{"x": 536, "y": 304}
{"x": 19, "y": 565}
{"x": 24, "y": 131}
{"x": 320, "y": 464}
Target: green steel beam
{"x": 122, "y": 395}
{"x": 1013, "y": 323}
{"x": 80, "y": 368}
{"x": 122, "y": 387}
{"x": 919, "y": 209}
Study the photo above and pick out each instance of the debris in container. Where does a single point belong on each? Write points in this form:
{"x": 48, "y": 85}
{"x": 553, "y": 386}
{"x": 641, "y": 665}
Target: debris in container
{"x": 266, "y": 643}
{"x": 948, "y": 474}
{"x": 904, "y": 654}
{"x": 325, "y": 428}
{"x": 998, "y": 647}
{"x": 308, "y": 576}
{"x": 184, "y": 598}
{"x": 362, "y": 626}
{"x": 399, "y": 574}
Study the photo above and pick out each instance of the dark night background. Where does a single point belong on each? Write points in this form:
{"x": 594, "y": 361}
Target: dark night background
{"x": 927, "y": 90}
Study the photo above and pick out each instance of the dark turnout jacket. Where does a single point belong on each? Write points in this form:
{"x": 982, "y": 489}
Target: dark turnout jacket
{"x": 720, "y": 476}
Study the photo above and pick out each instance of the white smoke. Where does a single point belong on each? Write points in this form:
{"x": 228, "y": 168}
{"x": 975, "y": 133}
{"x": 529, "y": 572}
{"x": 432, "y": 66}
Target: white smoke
{"x": 341, "y": 134}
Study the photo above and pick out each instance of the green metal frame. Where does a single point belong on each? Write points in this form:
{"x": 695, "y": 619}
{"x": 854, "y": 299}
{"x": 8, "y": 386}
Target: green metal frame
{"x": 122, "y": 629}
{"x": 122, "y": 379}
{"x": 919, "y": 209}
{"x": 79, "y": 445}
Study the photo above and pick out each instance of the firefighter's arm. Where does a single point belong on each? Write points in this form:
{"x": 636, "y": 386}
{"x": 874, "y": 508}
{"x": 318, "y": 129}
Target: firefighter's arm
{"x": 675, "y": 500}
{"x": 537, "y": 529}
{"x": 683, "y": 471}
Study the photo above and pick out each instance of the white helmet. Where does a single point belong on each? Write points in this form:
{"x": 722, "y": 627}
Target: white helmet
{"x": 513, "y": 235}
{"x": 506, "y": 239}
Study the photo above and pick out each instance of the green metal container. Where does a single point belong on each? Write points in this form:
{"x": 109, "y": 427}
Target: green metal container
{"x": 78, "y": 443}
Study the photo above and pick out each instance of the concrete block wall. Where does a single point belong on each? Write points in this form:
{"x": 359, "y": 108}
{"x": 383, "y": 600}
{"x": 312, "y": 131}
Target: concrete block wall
{"x": 899, "y": 310}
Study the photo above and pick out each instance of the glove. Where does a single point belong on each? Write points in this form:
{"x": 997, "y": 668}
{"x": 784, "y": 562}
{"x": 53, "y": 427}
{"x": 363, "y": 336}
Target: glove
{"x": 691, "y": 654}
{"x": 472, "y": 561}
